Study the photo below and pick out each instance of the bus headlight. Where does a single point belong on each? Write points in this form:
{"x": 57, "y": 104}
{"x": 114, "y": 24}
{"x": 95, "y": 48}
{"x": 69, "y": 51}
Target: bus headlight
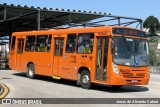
{"x": 115, "y": 69}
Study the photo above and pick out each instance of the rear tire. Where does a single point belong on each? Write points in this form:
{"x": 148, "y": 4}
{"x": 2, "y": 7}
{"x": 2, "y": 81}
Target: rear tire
{"x": 31, "y": 71}
{"x": 85, "y": 79}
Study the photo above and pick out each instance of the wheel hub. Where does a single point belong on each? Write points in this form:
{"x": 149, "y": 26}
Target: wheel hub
{"x": 30, "y": 72}
{"x": 85, "y": 79}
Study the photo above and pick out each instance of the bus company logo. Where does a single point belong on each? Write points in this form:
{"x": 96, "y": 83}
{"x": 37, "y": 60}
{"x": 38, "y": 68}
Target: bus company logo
{"x": 125, "y": 70}
{"x": 21, "y": 101}
{"x": 6, "y": 101}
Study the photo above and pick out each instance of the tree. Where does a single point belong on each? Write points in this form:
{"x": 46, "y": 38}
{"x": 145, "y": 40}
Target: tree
{"x": 153, "y": 57}
{"x": 152, "y": 24}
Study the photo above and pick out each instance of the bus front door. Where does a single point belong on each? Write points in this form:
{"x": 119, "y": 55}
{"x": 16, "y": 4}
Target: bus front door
{"x": 20, "y": 46}
{"x": 58, "y": 56}
{"x": 101, "y": 62}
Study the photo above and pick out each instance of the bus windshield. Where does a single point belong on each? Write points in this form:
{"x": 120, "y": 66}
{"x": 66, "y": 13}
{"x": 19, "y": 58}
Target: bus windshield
{"x": 131, "y": 52}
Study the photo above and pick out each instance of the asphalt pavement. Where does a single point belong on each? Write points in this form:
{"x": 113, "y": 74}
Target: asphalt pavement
{"x": 46, "y": 87}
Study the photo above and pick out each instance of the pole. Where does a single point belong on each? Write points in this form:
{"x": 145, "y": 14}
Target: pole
{"x": 119, "y": 22}
{"x": 38, "y": 19}
{"x": 5, "y": 13}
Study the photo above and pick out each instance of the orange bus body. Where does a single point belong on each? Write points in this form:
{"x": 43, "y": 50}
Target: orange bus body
{"x": 70, "y": 65}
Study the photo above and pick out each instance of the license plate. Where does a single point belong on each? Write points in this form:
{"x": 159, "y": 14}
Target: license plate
{"x": 134, "y": 81}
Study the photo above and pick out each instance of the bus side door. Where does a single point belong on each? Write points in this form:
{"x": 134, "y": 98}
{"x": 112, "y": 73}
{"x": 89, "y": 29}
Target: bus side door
{"x": 102, "y": 56}
{"x": 58, "y": 56}
{"x": 20, "y": 46}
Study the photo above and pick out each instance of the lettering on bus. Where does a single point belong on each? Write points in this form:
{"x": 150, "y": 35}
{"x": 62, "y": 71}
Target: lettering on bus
{"x": 129, "y": 32}
{"x": 58, "y": 35}
{"x": 84, "y": 63}
{"x": 73, "y": 59}
{"x": 125, "y": 71}
{"x": 102, "y": 33}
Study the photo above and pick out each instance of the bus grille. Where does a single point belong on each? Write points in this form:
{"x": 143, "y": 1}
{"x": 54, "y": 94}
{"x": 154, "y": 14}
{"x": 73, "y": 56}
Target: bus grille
{"x": 131, "y": 82}
{"x": 131, "y": 75}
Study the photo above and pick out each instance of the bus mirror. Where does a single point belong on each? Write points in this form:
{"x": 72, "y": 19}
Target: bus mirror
{"x": 112, "y": 45}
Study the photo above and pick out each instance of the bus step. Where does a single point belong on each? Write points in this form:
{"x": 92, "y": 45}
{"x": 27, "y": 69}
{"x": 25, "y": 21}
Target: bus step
{"x": 56, "y": 77}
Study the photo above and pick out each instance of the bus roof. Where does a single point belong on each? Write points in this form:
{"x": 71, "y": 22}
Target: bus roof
{"x": 70, "y": 30}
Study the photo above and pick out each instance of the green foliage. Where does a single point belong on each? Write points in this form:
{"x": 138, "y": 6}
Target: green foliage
{"x": 152, "y": 24}
{"x": 153, "y": 57}
{"x": 153, "y": 40}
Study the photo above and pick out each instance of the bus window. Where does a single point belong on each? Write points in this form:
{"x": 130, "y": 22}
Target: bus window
{"x": 56, "y": 48}
{"x": 85, "y": 43}
{"x": 13, "y": 43}
{"x": 20, "y": 46}
{"x": 49, "y": 43}
{"x": 59, "y": 47}
{"x": 41, "y": 43}
{"x": 30, "y": 43}
{"x": 71, "y": 43}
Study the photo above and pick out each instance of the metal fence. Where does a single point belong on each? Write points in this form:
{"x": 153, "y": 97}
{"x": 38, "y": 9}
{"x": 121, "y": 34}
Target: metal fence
{"x": 154, "y": 69}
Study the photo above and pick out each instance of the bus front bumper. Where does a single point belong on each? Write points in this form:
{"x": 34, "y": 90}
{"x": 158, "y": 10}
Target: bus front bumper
{"x": 120, "y": 80}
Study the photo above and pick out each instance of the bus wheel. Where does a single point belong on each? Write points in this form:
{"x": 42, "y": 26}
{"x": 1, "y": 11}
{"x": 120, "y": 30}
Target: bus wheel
{"x": 30, "y": 71}
{"x": 85, "y": 79}
{"x": 117, "y": 86}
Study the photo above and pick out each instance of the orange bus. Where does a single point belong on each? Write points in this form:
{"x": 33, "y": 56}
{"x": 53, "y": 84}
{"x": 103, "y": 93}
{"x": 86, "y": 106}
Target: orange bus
{"x": 111, "y": 55}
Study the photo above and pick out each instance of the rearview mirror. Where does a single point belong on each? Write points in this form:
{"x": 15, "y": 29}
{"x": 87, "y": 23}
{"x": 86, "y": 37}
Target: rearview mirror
{"x": 112, "y": 45}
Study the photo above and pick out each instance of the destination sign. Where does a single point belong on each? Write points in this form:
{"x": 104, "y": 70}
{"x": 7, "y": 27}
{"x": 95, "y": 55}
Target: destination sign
{"x": 129, "y": 32}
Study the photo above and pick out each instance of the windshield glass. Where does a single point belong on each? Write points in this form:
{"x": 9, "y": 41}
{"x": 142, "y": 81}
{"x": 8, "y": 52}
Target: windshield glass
{"x": 131, "y": 52}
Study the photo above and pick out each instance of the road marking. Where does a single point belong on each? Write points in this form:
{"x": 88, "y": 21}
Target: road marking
{"x": 5, "y": 90}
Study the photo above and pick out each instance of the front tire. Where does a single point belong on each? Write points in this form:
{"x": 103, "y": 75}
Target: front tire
{"x": 85, "y": 79}
{"x": 31, "y": 71}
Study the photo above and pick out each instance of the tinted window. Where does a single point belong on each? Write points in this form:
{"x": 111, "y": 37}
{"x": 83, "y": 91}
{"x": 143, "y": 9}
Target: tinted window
{"x": 85, "y": 43}
{"x": 20, "y": 46}
{"x": 30, "y": 43}
{"x": 13, "y": 43}
{"x": 71, "y": 43}
{"x": 49, "y": 43}
{"x": 59, "y": 47}
{"x": 41, "y": 43}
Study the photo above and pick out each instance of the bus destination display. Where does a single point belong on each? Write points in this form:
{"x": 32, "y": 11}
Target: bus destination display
{"x": 129, "y": 32}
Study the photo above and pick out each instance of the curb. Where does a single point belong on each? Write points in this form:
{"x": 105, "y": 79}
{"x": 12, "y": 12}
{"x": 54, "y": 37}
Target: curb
{"x": 4, "y": 90}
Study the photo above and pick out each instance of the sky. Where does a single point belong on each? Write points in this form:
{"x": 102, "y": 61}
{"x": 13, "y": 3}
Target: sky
{"x": 131, "y": 8}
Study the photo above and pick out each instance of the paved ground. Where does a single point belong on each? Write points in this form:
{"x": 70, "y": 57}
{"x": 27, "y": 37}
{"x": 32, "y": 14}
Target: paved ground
{"x": 46, "y": 87}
